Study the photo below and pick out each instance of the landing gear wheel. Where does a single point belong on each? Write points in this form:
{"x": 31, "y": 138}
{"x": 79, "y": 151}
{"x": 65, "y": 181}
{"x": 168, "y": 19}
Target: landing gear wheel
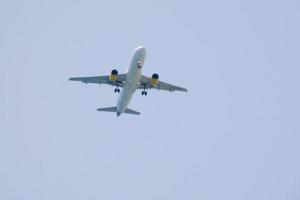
{"x": 117, "y": 90}
{"x": 139, "y": 65}
{"x": 144, "y": 93}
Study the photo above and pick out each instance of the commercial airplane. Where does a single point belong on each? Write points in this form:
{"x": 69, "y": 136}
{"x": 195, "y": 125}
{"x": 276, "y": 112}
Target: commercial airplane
{"x": 130, "y": 82}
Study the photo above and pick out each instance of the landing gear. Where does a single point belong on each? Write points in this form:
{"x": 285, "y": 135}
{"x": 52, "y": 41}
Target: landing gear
{"x": 117, "y": 90}
{"x": 144, "y": 92}
{"x": 139, "y": 64}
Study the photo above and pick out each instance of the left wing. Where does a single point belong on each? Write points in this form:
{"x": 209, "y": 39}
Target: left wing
{"x": 145, "y": 83}
{"x": 102, "y": 80}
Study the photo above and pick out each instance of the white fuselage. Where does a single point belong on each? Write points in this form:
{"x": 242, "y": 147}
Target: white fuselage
{"x": 132, "y": 79}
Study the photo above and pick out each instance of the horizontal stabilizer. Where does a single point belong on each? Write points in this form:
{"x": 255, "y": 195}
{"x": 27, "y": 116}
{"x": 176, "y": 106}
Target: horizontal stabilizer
{"x": 114, "y": 109}
{"x": 129, "y": 111}
{"x": 108, "y": 109}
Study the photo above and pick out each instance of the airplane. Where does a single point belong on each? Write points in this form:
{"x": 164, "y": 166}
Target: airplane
{"x": 130, "y": 82}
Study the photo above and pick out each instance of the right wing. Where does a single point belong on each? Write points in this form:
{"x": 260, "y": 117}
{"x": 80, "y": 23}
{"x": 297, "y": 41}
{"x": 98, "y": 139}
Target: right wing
{"x": 145, "y": 83}
{"x": 102, "y": 80}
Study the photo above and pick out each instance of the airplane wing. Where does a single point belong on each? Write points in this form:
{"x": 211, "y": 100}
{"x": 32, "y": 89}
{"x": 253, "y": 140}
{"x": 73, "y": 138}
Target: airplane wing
{"x": 145, "y": 83}
{"x": 102, "y": 80}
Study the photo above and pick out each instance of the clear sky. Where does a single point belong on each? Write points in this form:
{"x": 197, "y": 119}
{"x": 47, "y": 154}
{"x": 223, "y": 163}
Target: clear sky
{"x": 235, "y": 134}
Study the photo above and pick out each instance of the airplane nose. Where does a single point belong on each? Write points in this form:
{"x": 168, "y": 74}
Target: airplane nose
{"x": 141, "y": 49}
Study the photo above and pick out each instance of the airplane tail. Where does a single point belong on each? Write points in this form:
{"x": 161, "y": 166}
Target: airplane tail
{"x": 114, "y": 109}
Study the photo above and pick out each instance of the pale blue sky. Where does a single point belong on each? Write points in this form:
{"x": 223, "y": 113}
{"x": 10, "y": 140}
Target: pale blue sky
{"x": 235, "y": 134}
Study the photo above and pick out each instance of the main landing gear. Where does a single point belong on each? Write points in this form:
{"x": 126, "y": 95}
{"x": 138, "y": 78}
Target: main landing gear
{"x": 144, "y": 92}
{"x": 117, "y": 90}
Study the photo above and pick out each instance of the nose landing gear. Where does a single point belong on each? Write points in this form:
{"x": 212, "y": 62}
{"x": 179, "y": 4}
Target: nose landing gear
{"x": 117, "y": 90}
{"x": 139, "y": 64}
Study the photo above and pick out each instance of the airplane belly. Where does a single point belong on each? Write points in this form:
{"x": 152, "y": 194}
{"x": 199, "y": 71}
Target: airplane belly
{"x": 132, "y": 79}
{"x": 134, "y": 76}
{"x": 125, "y": 97}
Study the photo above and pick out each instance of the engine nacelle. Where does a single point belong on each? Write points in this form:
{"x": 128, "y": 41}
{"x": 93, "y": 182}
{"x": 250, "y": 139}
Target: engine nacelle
{"x": 113, "y": 75}
{"x": 154, "y": 79}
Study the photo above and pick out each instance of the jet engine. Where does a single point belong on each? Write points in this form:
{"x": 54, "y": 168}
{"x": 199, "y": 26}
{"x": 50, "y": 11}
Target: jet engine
{"x": 113, "y": 75}
{"x": 154, "y": 79}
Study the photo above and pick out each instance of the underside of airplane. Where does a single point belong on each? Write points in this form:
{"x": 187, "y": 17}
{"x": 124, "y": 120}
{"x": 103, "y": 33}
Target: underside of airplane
{"x": 129, "y": 82}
